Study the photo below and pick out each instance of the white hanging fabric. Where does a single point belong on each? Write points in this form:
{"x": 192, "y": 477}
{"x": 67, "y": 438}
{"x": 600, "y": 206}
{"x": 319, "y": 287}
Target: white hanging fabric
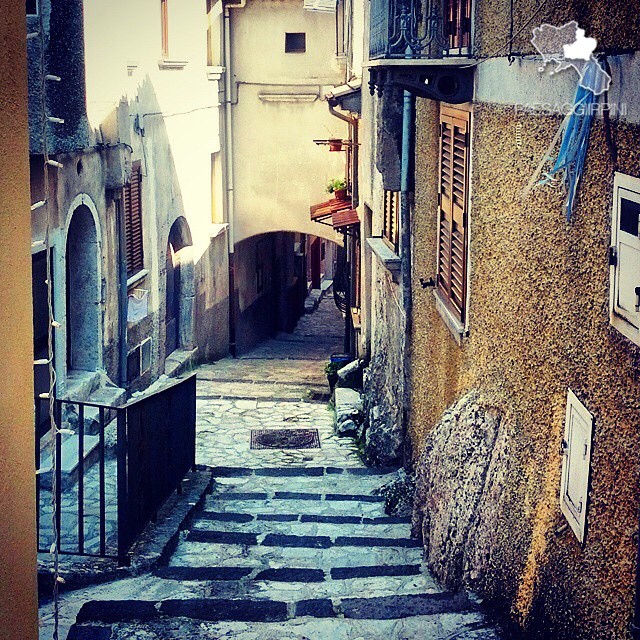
{"x": 138, "y": 305}
{"x": 328, "y": 6}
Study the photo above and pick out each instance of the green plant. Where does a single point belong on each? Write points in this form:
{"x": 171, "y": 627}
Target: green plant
{"x": 336, "y": 184}
{"x": 332, "y": 368}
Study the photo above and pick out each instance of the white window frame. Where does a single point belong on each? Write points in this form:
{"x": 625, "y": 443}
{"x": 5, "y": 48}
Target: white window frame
{"x": 37, "y": 13}
{"x": 629, "y": 187}
{"x": 576, "y": 514}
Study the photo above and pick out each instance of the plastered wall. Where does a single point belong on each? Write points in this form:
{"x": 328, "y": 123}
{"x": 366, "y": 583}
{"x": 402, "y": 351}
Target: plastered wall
{"x": 18, "y": 613}
{"x": 278, "y": 110}
{"x": 539, "y": 323}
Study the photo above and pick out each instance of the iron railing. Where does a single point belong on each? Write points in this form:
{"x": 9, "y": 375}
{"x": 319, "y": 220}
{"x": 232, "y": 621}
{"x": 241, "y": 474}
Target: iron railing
{"x": 116, "y": 467}
{"x": 413, "y": 29}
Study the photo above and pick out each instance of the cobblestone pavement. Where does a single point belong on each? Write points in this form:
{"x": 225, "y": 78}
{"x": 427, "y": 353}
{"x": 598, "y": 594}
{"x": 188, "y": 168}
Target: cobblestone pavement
{"x": 279, "y": 385}
{"x": 292, "y": 544}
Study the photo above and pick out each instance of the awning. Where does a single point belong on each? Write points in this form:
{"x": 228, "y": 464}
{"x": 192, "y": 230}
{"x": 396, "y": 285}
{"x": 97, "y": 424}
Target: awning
{"x": 345, "y": 218}
{"x": 326, "y": 209}
{"x": 347, "y": 96}
{"x": 340, "y": 211}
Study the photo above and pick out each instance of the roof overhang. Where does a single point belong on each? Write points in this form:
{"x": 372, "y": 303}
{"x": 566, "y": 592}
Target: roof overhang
{"x": 347, "y": 96}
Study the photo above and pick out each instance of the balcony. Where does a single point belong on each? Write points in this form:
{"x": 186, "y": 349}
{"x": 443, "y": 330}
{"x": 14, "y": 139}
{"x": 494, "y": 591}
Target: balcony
{"x": 419, "y": 30}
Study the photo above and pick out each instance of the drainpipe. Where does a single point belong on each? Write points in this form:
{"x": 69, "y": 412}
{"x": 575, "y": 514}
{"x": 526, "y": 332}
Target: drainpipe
{"x": 635, "y": 624}
{"x": 348, "y": 328}
{"x": 228, "y": 149}
{"x": 122, "y": 296}
{"x": 406, "y": 189}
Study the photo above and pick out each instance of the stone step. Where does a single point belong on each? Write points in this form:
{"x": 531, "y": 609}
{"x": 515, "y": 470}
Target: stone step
{"x": 334, "y": 526}
{"x": 344, "y": 484}
{"x": 393, "y": 607}
{"x": 318, "y": 496}
{"x": 213, "y": 574}
{"x": 302, "y": 541}
{"x": 289, "y": 583}
{"x": 204, "y": 554}
{"x": 279, "y": 507}
{"x": 461, "y": 626}
{"x": 239, "y": 518}
{"x": 70, "y": 460}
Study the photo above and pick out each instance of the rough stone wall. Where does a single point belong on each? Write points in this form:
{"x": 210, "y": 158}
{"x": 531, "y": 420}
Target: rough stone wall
{"x": 539, "y": 323}
{"x": 614, "y": 23}
{"x": 384, "y": 379}
{"x": 460, "y": 493}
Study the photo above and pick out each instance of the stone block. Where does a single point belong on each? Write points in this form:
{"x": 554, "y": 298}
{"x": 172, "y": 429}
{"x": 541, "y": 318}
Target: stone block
{"x": 349, "y": 410}
{"x": 351, "y": 375}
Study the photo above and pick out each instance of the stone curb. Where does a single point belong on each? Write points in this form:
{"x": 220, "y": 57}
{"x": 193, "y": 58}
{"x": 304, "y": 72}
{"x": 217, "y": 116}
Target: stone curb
{"x": 155, "y": 544}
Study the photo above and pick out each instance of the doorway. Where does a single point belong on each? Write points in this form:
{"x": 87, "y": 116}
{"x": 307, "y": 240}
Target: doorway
{"x": 179, "y": 238}
{"x": 82, "y": 292}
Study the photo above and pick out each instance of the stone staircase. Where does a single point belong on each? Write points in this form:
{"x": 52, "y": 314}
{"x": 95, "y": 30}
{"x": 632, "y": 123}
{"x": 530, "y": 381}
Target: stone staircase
{"x": 290, "y": 553}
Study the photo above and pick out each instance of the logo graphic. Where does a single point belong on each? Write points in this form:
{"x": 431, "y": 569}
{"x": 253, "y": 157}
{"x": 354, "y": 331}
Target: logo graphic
{"x": 568, "y": 48}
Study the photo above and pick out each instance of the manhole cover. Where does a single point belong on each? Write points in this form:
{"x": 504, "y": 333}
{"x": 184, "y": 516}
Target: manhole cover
{"x": 285, "y": 439}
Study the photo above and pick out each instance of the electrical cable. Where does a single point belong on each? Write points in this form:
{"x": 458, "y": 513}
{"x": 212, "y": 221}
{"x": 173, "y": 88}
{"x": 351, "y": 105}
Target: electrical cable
{"x": 509, "y": 43}
{"x": 55, "y": 431}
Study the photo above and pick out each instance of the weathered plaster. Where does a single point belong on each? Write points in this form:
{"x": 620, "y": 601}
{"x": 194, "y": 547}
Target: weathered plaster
{"x": 19, "y": 613}
{"x": 538, "y": 323}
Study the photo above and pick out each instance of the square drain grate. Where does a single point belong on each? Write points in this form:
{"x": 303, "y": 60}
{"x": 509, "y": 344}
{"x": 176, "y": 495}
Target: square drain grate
{"x": 285, "y": 439}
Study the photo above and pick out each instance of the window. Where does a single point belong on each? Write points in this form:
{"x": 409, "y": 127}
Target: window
{"x": 132, "y": 199}
{"x": 390, "y": 219}
{"x": 458, "y": 23}
{"x": 164, "y": 20}
{"x": 453, "y": 206}
{"x": 576, "y": 463}
{"x": 32, "y": 7}
{"x": 295, "y": 42}
{"x": 625, "y": 257}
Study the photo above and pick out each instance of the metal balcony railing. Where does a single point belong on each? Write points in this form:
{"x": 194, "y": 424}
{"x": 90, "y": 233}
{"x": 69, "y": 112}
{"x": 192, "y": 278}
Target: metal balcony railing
{"x": 421, "y": 29}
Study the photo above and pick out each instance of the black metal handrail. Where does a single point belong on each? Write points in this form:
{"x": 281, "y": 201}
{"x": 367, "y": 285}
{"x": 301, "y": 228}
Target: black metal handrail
{"x": 116, "y": 467}
{"x": 410, "y": 29}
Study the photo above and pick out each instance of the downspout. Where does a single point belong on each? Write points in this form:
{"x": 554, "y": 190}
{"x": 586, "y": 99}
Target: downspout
{"x": 122, "y": 296}
{"x": 228, "y": 147}
{"x": 406, "y": 190}
{"x": 348, "y": 321}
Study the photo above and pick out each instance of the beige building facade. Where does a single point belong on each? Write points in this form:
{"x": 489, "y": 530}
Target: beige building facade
{"x": 279, "y": 61}
{"x": 19, "y": 615}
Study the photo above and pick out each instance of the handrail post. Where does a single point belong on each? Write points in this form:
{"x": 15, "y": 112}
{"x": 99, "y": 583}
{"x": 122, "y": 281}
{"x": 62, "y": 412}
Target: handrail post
{"x": 123, "y": 511}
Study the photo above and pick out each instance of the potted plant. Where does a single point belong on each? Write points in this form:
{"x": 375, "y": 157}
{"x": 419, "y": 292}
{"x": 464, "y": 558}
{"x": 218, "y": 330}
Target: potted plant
{"x": 338, "y": 187}
{"x": 335, "y": 144}
{"x": 336, "y": 362}
{"x": 331, "y": 369}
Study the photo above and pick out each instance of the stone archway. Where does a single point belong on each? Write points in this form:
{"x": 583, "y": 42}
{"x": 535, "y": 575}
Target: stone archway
{"x": 179, "y": 291}
{"x": 82, "y": 292}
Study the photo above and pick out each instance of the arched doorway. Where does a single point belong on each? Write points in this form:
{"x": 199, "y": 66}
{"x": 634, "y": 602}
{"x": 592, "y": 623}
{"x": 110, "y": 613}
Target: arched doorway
{"x": 83, "y": 292}
{"x": 179, "y": 238}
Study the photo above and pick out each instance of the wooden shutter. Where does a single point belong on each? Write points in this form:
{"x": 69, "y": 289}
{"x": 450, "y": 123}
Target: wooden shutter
{"x": 453, "y": 197}
{"x": 391, "y": 213}
{"x": 164, "y": 26}
{"x": 133, "y": 221}
{"x": 458, "y": 23}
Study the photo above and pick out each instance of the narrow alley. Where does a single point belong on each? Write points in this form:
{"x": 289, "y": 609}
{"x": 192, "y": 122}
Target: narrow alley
{"x": 293, "y": 543}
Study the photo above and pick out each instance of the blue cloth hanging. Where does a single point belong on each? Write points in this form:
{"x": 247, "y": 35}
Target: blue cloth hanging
{"x": 575, "y": 140}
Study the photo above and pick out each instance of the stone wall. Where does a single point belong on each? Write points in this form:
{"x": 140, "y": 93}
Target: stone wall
{"x": 384, "y": 378}
{"x": 538, "y": 324}
{"x": 461, "y": 494}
